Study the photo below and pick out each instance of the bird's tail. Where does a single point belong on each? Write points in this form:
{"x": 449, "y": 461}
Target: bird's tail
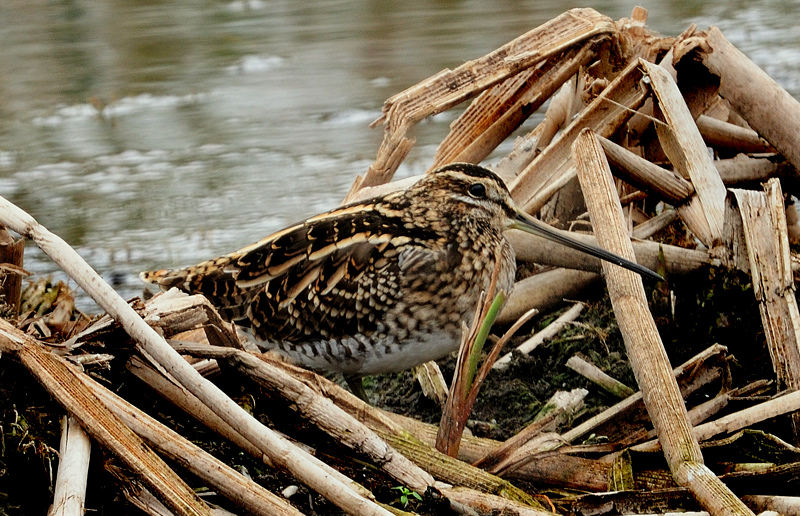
{"x": 212, "y": 279}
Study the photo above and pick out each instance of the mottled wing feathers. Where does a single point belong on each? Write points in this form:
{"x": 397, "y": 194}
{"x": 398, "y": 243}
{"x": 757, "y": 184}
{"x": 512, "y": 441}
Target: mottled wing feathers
{"x": 312, "y": 240}
{"x": 331, "y": 297}
{"x": 331, "y": 276}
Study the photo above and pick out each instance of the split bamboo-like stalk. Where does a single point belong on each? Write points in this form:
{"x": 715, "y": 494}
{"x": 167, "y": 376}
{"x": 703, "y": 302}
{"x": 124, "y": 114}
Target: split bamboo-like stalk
{"x": 73, "y": 470}
{"x": 502, "y": 452}
{"x": 683, "y": 144}
{"x": 763, "y": 221}
{"x": 769, "y": 109}
{"x": 432, "y": 382}
{"x": 176, "y": 312}
{"x": 553, "y": 167}
{"x": 144, "y": 500}
{"x": 485, "y": 503}
{"x": 451, "y": 87}
{"x": 501, "y": 109}
{"x": 241, "y": 490}
{"x": 646, "y": 352}
{"x": 778, "y": 504}
{"x": 155, "y": 348}
{"x": 62, "y": 382}
{"x": 563, "y": 106}
{"x": 532, "y": 442}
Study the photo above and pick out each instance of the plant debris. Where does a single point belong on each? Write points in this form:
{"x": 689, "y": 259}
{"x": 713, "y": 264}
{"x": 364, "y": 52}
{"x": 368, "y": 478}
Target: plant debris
{"x": 184, "y": 416}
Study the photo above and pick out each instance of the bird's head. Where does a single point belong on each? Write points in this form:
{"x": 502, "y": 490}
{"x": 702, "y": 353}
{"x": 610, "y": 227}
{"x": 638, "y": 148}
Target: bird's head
{"x": 473, "y": 191}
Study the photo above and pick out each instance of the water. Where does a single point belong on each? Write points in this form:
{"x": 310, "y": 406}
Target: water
{"x": 151, "y": 134}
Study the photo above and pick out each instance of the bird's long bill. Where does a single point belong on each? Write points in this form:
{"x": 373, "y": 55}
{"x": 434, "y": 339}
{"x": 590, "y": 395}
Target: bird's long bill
{"x": 525, "y": 222}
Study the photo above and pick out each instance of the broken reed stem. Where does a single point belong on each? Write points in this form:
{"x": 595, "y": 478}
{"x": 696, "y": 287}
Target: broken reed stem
{"x": 599, "y": 377}
{"x": 73, "y": 469}
{"x": 769, "y": 109}
{"x": 241, "y": 490}
{"x": 155, "y": 348}
{"x": 686, "y": 150}
{"x": 645, "y": 350}
{"x": 532, "y": 188}
{"x": 61, "y": 380}
{"x": 449, "y": 88}
{"x": 536, "y": 340}
{"x": 762, "y": 219}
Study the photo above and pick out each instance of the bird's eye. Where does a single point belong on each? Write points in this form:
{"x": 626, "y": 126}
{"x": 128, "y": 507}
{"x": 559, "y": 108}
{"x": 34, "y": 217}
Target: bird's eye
{"x": 477, "y": 190}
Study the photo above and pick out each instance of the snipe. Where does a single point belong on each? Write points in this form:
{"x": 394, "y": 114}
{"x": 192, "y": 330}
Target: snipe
{"x": 379, "y": 285}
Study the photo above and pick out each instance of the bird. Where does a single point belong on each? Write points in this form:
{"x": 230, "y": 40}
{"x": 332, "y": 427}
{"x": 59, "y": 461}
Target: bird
{"x": 379, "y": 285}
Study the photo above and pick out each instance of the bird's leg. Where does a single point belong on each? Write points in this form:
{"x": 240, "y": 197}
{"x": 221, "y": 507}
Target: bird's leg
{"x": 357, "y": 387}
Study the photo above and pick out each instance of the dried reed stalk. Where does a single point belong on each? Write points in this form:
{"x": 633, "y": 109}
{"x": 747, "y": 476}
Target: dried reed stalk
{"x": 320, "y": 411}
{"x": 73, "y": 470}
{"x": 645, "y": 175}
{"x": 451, "y": 87}
{"x": 193, "y": 407}
{"x": 553, "y": 167}
{"x": 222, "y": 478}
{"x": 763, "y": 223}
{"x": 547, "y": 333}
{"x": 731, "y": 137}
{"x": 683, "y": 144}
{"x": 769, "y": 109}
{"x": 62, "y": 382}
{"x": 696, "y": 372}
{"x": 597, "y": 376}
{"x": 501, "y": 109}
{"x": 645, "y": 350}
{"x": 396, "y": 434}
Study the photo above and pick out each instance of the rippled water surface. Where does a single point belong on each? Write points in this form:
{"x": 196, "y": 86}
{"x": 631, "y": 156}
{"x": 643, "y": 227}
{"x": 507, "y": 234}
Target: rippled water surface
{"x": 163, "y": 133}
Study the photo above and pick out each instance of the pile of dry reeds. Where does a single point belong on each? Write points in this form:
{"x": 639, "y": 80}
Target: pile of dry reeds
{"x": 684, "y": 125}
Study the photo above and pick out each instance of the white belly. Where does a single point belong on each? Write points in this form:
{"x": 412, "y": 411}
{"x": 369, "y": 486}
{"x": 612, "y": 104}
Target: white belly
{"x": 357, "y": 358}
